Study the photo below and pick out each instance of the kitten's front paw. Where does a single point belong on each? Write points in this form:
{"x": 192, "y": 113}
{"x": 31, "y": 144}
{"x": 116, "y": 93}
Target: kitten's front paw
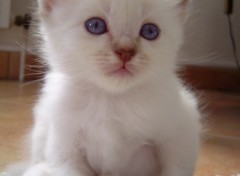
{"x": 44, "y": 169}
{"x": 39, "y": 170}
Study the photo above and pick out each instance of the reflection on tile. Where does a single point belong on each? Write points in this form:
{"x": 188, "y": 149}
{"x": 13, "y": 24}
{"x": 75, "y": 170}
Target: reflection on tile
{"x": 219, "y": 156}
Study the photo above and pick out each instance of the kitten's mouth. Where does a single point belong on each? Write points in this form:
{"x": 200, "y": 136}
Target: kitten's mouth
{"x": 121, "y": 70}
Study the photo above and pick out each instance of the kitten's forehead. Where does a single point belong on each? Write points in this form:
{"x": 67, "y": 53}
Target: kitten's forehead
{"x": 130, "y": 10}
{"x": 126, "y": 16}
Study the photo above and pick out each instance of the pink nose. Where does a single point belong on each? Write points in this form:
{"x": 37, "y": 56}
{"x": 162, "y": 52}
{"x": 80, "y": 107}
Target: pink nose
{"x": 125, "y": 55}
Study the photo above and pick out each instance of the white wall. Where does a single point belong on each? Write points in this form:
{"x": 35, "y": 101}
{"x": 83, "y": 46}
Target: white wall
{"x": 5, "y": 10}
{"x": 207, "y": 35}
{"x": 15, "y": 34}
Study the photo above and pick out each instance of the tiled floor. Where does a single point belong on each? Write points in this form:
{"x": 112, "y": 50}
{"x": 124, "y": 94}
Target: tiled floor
{"x": 219, "y": 156}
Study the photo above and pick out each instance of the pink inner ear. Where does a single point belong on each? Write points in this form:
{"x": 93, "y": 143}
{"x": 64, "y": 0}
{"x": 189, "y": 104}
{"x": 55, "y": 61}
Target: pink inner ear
{"x": 49, "y": 5}
{"x": 184, "y": 2}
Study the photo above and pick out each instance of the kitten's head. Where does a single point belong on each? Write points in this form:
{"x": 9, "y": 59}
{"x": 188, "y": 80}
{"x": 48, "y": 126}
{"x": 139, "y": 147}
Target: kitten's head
{"x": 114, "y": 44}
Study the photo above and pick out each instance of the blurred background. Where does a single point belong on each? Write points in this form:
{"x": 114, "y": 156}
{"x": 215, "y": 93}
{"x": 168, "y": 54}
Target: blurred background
{"x": 208, "y": 37}
{"x": 211, "y": 67}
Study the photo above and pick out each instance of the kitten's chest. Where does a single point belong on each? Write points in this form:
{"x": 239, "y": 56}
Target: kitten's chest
{"x": 106, "y": 147}
{"x": 113, "y": 149}
{"x": 117, "y": 133}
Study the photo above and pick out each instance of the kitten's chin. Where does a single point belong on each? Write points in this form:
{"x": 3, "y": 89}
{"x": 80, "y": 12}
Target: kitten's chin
{"x": 118, "y": 79}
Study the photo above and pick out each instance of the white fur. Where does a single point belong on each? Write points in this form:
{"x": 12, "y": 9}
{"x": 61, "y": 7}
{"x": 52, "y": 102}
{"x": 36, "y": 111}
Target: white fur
{"x": 88, "y": 123}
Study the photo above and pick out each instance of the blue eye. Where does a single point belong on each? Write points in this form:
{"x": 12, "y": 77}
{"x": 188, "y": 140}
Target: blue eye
{"x": 150, "y": 31}
{"x": 96, "y": 26}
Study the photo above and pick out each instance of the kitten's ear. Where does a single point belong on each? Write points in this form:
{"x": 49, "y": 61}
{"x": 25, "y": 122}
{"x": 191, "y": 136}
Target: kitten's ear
{"x": 184, "y": 5}
{"x": 46, "y": 6}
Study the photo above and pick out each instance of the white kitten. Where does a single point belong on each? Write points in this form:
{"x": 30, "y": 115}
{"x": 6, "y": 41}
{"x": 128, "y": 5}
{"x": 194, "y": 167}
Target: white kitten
{"x": 112, "y": 103}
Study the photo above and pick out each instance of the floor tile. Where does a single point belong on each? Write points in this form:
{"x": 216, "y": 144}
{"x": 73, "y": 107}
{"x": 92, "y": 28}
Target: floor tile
{"x": 219, "y": 156}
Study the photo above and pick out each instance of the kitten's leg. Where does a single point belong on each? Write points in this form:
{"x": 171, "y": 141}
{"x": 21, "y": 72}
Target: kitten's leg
{"x": 47, "y": 169}
{"x": 16, "y": 169}
{"x": 179, "y": 155}
{"x": 63, "y": 155}
{"x": 38, "y": 142}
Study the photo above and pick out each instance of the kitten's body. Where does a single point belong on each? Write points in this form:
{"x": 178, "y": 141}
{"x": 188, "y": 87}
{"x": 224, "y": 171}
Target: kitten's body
{"x": 88, "y": 123}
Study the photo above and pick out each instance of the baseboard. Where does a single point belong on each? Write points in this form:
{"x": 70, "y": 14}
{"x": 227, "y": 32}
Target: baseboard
{"x": 212, "y": 78}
